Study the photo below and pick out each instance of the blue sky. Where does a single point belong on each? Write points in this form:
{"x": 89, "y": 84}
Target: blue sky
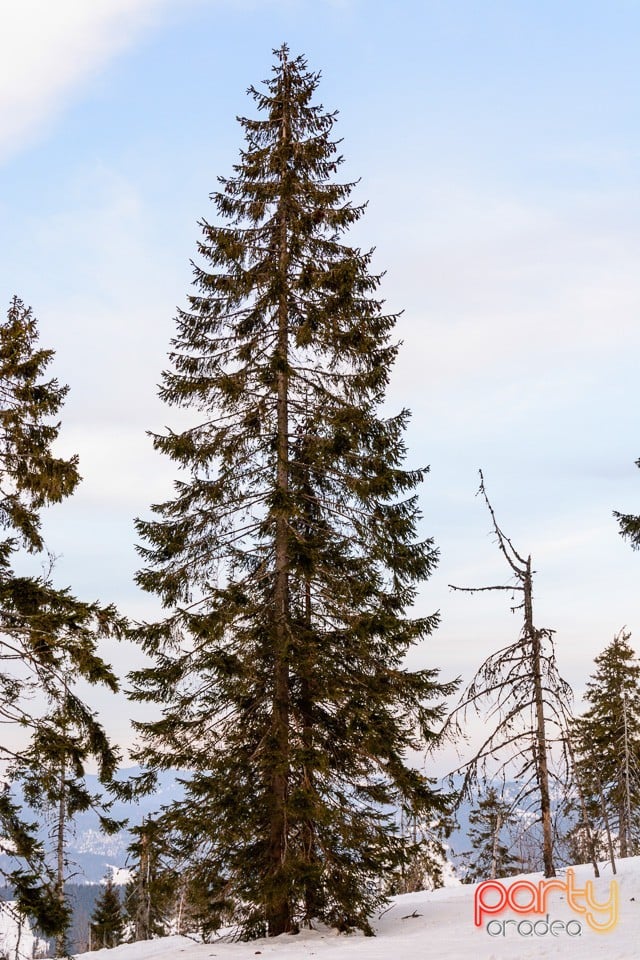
{"x": 498, "y": 148}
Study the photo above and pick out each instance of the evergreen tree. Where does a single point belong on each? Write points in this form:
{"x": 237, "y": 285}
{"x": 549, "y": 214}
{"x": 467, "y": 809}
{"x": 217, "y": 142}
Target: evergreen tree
{"x": 580, "y": 838}
{"x": 152, "y": 894}
{"x": 491, "y": 856}
{"x": 607, "y": 743}
{"x": 48, "y": 638}
{"x": 288, "y": 557}
{"x": 52, "y": 774}
{"x": 107, "y": 920}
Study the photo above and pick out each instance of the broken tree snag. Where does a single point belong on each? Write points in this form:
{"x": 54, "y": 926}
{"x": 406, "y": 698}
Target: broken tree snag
{"x": 523, "y": 698}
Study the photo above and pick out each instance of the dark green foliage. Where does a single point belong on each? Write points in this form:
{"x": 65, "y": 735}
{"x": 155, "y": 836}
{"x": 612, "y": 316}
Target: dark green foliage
{"x": 54, "y": 765}
{"x": 32, "y": 886}
{"x": 27, "y": 402}
{"x": 629, "y": 525}
{"x": 606, "y": 741}
{"x": 153, "y": 893}
{"x": 107, "y": 920}
{"x": 491, "y": 855}
{"x": 289, "y": 557}
{"x": 80, "y": 899}
{"x": 51, "y": 772}
{"x": 48, "y": 638}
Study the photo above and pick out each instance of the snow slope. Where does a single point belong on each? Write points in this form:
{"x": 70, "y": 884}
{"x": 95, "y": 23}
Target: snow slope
{"x": 440, "y": 926}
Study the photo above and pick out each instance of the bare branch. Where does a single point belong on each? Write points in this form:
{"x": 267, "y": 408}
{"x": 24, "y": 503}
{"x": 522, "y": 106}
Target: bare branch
{"x": 482, "y": 589}
{"x": 528, "y": 701}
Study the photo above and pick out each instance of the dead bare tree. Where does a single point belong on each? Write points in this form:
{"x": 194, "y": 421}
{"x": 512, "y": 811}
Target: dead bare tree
{"x": 525, "y": 702}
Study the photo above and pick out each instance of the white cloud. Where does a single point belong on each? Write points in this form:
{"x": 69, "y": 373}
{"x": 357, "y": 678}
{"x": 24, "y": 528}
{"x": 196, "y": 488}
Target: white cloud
{"x": 48, "y": 50}
{"x": 518, "y": 303}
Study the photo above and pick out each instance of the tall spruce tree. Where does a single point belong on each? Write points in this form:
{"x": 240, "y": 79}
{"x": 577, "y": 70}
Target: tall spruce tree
{"x": 606, "y": 741}
{"x": 48, "y": 638}
{"x": 107, "y": 919}
{"x": 288, "y": 557}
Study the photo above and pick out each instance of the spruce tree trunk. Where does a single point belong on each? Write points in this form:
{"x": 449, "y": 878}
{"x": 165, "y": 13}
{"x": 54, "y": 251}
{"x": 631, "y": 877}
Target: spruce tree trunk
{"x": 143, "y": 904}
{"x": 622, "y": 830}
{"x": 542, "y": 768}
{"x": 607, "y": 826}
{"x": 278, "y": 906}
{"x": 61, "y": 939}
{"x": 306, "y": 709}
{"x": 61, "y": 944}
{"x": 625, "y": 831}
{"x": 494, "y": 848}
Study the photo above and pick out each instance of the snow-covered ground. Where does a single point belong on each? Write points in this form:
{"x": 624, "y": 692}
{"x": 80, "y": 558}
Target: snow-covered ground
{"x": 440, "y": 926}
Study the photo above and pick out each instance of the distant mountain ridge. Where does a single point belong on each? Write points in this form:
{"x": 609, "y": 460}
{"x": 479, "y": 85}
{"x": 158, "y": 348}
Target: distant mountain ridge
{"x": 90, "y": 852}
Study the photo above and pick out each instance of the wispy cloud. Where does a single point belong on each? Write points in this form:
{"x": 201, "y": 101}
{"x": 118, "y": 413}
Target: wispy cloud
{"x": 48, "y": 50}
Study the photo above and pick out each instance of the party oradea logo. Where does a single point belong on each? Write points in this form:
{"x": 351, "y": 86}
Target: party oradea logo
{"x": 524, "y": 897}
